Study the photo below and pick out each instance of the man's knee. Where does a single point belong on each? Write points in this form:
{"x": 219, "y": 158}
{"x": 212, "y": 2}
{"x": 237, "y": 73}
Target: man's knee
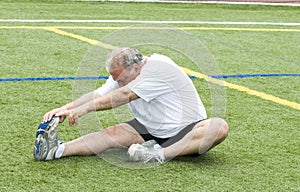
{"x": 216, "y": 131}
{"x": 223, "y": 129}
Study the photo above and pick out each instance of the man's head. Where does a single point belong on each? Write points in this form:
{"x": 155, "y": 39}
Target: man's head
{"x": 124, "y": 64}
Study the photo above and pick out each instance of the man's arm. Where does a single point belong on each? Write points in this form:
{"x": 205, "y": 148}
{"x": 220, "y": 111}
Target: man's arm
{"x": 111, "y": 100}
{"x": 114, "y": 99}
{"x": 69, "y": 106}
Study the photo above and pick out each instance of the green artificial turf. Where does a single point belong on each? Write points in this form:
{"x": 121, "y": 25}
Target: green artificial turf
{"x": 261, "y": 152}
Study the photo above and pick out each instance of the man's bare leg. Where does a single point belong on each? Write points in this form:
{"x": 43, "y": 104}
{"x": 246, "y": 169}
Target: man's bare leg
{"x": 204, "y": 136}
{"x": 122, "y": 135}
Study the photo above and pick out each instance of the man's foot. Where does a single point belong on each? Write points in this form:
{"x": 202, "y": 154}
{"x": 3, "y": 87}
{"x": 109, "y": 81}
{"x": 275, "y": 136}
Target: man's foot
{"x": 148, "y": 151}
{"x": 46, "y": 142}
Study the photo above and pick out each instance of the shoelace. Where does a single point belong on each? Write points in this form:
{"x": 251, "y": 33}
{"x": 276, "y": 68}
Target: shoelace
{"x": 149, "y": 156}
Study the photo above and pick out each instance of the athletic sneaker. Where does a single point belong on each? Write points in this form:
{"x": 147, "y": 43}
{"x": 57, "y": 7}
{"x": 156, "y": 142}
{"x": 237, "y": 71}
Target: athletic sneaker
{"x": 146, "y": 152}
{"x": 46, "y": 142}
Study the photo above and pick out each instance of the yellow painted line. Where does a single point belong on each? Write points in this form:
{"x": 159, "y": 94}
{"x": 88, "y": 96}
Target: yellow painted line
{"x": 262, "y": 95}
{"x": 199, "y": 75}
{"x": 156, "y": 28}
{"x": 81, "y": 38}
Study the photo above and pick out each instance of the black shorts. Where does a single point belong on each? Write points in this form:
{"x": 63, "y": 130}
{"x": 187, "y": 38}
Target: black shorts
{"x": 164, "y": 142}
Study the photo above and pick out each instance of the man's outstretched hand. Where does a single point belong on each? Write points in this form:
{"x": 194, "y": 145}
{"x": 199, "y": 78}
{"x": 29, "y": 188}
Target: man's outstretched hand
{"x": 71, "y": 114}
{"x": 52, "y": 113}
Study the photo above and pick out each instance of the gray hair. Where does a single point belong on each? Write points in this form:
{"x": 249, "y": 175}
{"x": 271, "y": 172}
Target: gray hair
{"x": 123, "y": 56}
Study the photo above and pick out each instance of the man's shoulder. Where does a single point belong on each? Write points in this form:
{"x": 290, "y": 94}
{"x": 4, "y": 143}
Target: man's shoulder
{"x": 160, "y": 58}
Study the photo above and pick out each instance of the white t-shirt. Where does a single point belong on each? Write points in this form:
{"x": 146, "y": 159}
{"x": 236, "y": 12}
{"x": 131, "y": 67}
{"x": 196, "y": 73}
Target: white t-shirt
{"x": 168, "y": 99}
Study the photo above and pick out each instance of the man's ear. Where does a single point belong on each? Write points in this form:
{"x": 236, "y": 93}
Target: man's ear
{"x": 137, "y": 67}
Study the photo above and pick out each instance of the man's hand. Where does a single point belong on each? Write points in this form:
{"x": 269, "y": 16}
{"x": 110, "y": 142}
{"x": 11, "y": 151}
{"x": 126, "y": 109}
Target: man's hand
{"x": 71, "y": 114}
{"x": 53, "y": 112}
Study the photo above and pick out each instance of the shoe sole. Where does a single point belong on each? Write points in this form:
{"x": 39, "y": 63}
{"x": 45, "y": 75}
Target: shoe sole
{"x": 41, "y": 144}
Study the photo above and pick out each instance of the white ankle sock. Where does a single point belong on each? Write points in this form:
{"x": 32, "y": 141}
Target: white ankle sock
{"x": 60, "y": 150}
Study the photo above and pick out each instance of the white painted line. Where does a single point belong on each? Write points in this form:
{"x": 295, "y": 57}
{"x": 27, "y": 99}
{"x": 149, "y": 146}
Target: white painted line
{"x": 140, "y": 21}
{"x": 199, "y": 2}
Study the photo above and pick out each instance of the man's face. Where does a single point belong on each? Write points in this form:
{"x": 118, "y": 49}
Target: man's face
{"x": 123, "y": 76}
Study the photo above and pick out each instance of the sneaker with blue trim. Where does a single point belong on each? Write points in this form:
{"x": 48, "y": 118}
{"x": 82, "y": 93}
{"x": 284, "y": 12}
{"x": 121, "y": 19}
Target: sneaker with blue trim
{"x": 46, "y": 142}
{"x": 149, "y": 151}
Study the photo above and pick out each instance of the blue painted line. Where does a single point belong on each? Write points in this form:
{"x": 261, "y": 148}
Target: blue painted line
{"x": 253, "y": 75}
{"x": 53, "y": 78}
{"x": 106, "y": 77}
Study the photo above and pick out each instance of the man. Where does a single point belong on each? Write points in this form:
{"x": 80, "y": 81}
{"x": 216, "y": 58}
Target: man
{"x": 170, "y": 119}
